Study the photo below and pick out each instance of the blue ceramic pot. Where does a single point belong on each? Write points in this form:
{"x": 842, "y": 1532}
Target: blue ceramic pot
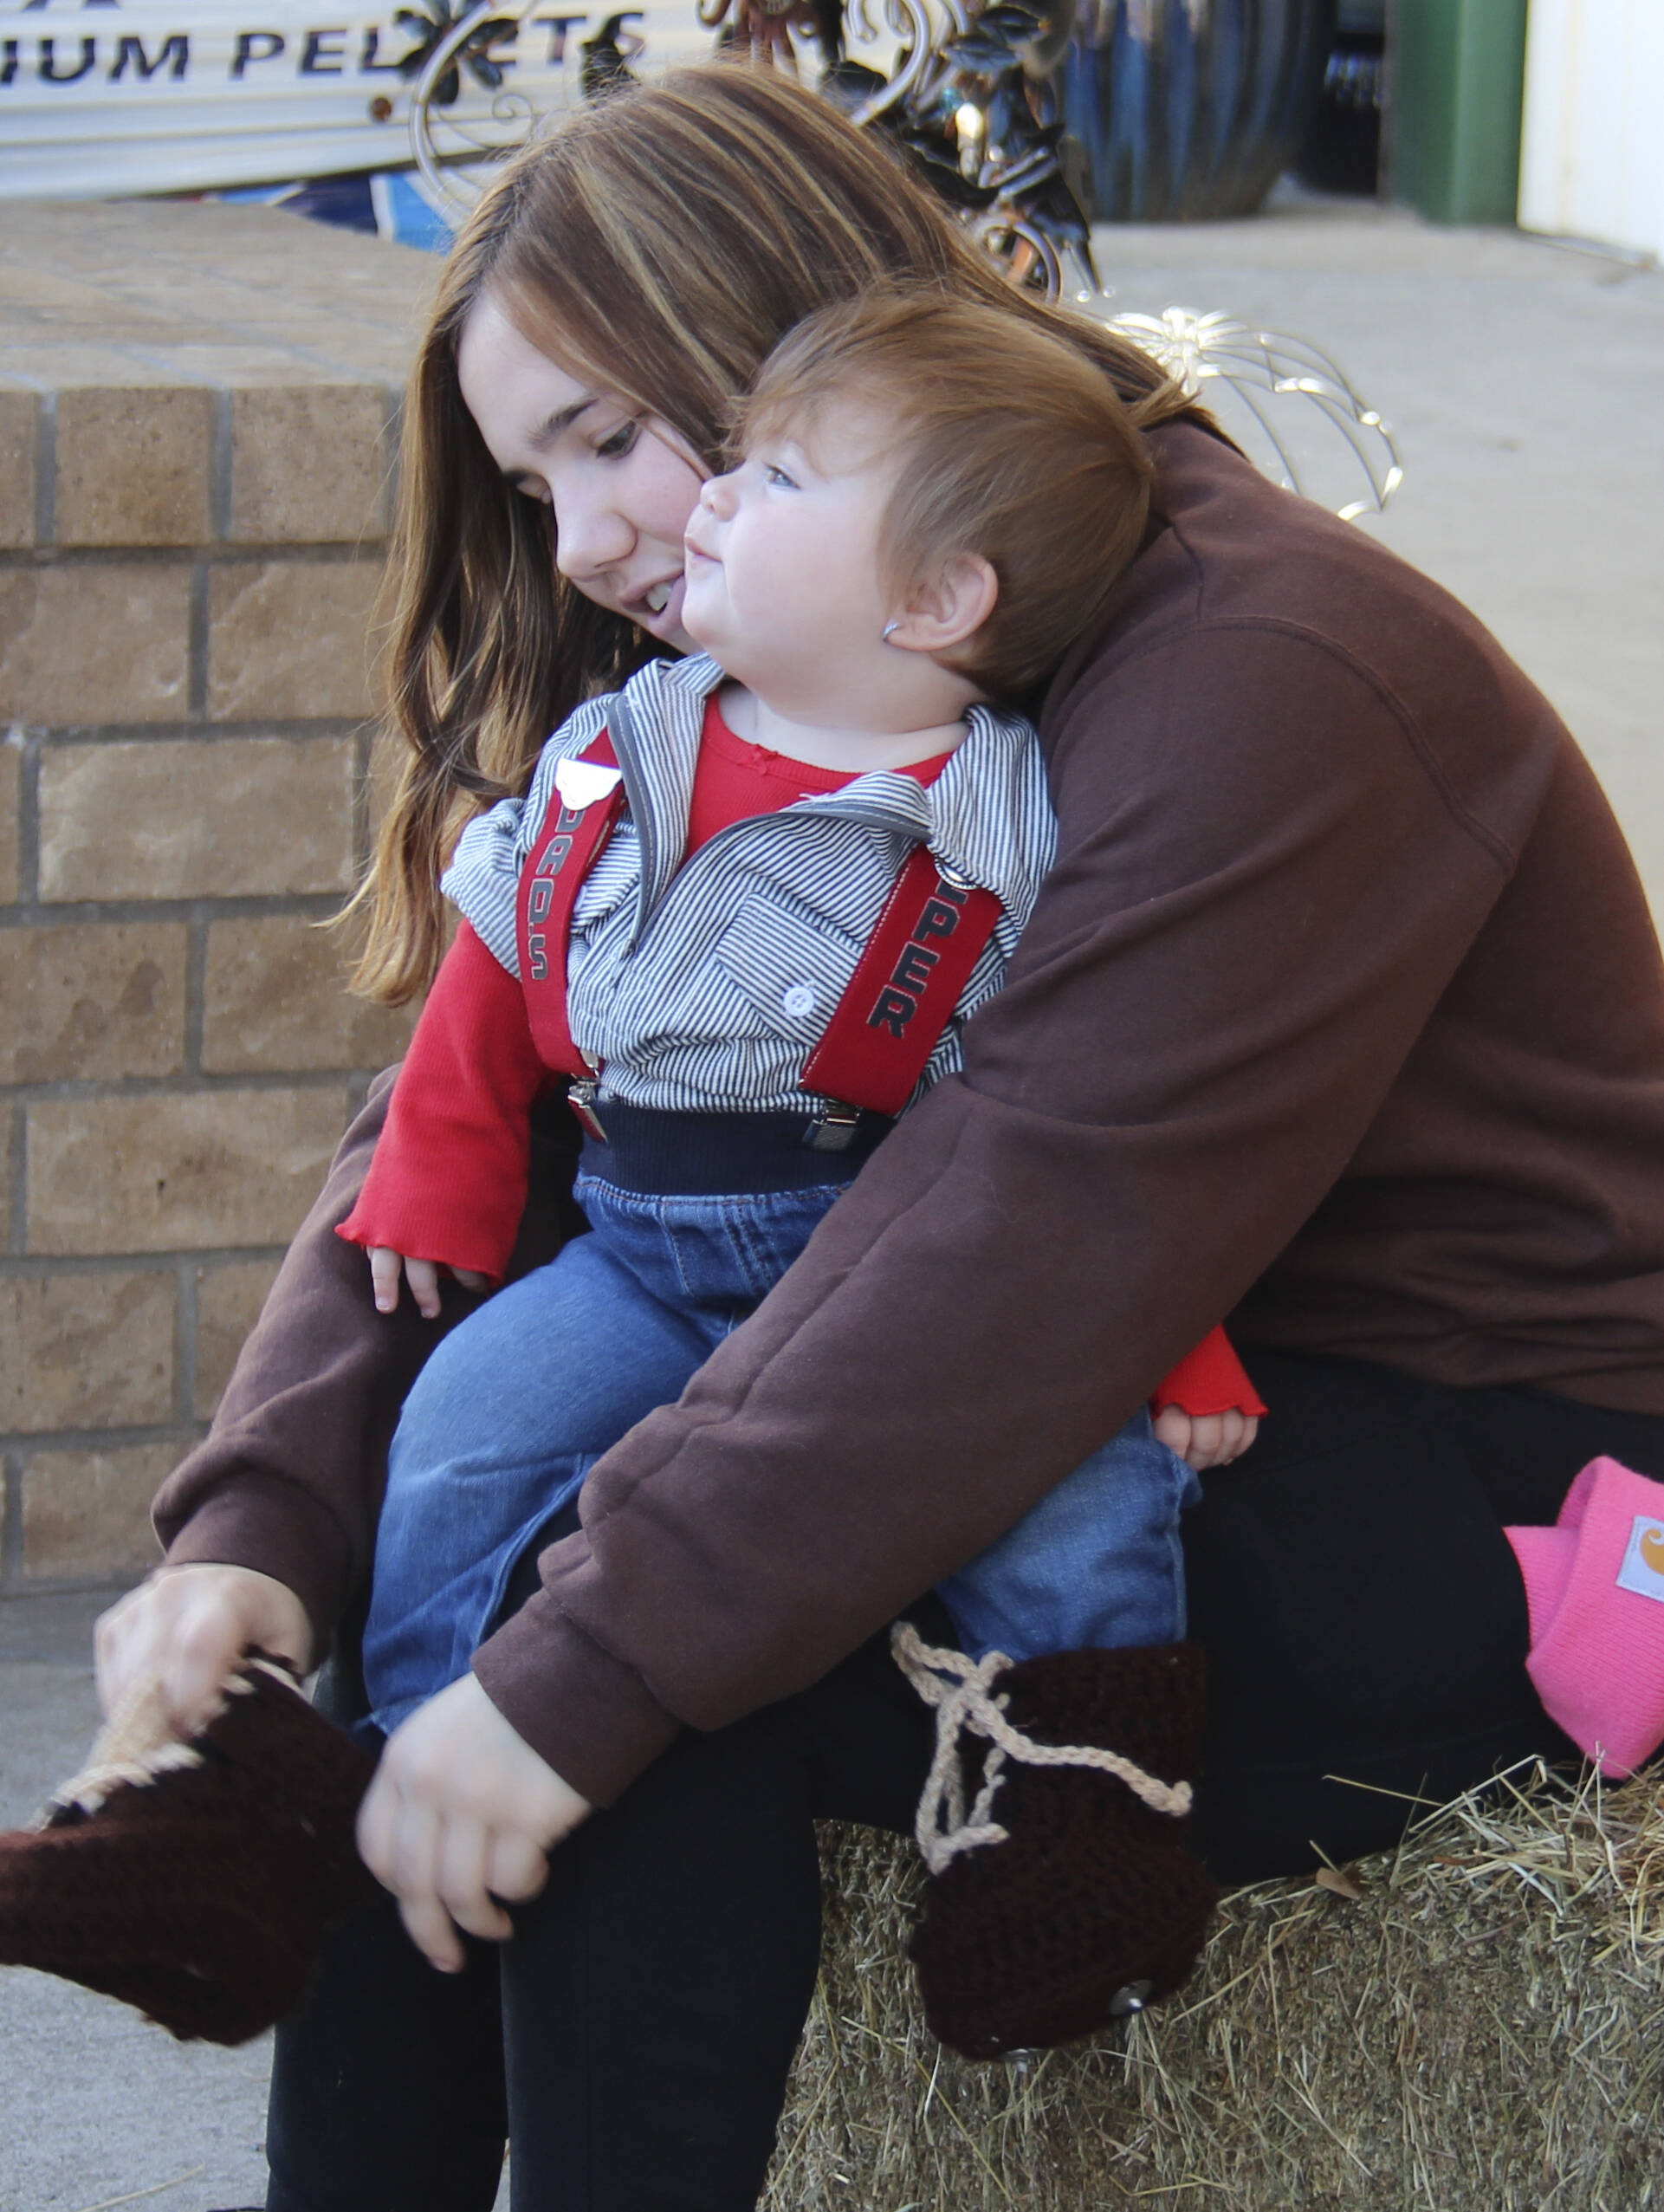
{"x": 1189, "y": 109}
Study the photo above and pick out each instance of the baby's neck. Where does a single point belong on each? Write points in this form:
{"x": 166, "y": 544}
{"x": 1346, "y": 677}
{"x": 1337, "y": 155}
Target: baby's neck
{"x": 832, "y": 745}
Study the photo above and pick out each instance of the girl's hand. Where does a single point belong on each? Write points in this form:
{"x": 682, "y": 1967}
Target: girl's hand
{"x": 423, "y": 1276}
{"x": 185, "y": 1627}
{"x": 1205, "y": 1439}
{"x": 463, "y": 1812}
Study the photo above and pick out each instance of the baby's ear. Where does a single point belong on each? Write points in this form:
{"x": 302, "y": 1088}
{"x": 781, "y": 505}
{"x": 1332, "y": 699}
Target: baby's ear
{"x": 950, "y": 606}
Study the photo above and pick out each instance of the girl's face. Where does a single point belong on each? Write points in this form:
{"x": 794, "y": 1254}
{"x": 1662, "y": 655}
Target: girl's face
{"x": 621, "y": 484}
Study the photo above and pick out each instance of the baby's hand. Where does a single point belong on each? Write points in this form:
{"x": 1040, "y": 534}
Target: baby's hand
{"x": 423, "y": 1276}
{"x": 1205, "y": 1439}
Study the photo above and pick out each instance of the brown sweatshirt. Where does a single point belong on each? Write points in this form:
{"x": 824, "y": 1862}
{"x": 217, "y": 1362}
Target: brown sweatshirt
{"x": 1342, "y": 1008}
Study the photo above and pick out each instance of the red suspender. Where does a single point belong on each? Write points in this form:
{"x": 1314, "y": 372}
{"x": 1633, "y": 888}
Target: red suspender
{"x": 905, "y": 987}
{"x": 883, "y": 1029}
{"x": 568, "y": 846}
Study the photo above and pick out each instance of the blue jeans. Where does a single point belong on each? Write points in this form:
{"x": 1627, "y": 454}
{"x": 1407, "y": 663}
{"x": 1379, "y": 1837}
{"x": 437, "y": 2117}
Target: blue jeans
{"x": 517, "y": 1404}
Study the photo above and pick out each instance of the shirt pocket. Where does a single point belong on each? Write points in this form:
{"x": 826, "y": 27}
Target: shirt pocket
{"x": 791, "y": 966}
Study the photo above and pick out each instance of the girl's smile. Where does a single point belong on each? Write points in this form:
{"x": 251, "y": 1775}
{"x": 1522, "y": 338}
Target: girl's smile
{"x": 620, "y": 483}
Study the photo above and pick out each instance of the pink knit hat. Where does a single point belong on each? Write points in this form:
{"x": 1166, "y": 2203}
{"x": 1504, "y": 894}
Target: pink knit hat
{"x": 1594, "y": 1584}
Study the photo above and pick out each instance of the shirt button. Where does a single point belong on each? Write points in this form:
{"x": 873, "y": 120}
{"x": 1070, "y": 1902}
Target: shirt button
{"x": 798, "y": 999}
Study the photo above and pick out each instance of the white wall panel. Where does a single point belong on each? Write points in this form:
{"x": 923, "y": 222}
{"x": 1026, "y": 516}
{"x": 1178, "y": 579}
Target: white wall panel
{"x": 1592, "y": 150}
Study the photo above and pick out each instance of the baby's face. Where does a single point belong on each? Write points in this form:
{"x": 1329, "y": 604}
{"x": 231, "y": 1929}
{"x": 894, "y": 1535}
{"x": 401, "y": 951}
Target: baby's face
{"x": 782, "y": 555}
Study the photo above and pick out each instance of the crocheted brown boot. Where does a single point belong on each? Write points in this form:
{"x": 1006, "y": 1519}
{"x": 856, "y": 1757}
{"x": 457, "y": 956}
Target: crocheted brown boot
{"x": 195, "y": 1880}
{"x": 1093, "y": 1904}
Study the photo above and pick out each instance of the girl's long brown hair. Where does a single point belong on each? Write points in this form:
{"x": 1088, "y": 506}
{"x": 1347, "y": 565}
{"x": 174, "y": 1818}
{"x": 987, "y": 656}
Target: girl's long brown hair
{"x": 659, "y": 246}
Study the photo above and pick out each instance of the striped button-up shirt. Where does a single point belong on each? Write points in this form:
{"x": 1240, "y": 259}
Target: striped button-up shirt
{"x": 704, "y": 987}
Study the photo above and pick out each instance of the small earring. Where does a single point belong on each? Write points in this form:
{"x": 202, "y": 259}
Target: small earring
{"x": 889, "y": 630}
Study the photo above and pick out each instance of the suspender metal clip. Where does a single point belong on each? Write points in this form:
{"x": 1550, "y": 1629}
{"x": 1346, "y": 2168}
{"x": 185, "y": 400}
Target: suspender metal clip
{"x": 833, "y": 1128}
{"x": 581, "y": 1097}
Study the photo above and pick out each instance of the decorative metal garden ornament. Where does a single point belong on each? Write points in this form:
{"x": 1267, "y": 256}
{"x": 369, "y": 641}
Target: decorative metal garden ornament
{"x": 435, "y": 24}
{"x": 1285, "y": 403}
{"x": 971, "y": 96}
{"x": 764, "y": 27}
{"x": 606, "y": 58}
{"x": 456, "y": 153}
{"x": 981, "y": 122}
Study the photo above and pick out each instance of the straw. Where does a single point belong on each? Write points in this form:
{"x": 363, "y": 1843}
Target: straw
{"x": 1475, "y": 2020}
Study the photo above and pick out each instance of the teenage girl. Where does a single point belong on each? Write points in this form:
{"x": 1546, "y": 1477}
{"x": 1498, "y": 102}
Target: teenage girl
{"x": 1340, "y": 1010}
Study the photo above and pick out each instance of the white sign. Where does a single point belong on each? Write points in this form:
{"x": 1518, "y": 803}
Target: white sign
{"x": 103, "y": 97}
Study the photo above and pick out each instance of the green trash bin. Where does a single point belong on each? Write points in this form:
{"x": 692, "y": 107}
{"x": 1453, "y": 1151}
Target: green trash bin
{"x": 1456, "y": 86}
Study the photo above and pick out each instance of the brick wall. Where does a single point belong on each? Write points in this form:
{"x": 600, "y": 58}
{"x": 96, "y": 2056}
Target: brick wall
{"x": 188, "y": 569}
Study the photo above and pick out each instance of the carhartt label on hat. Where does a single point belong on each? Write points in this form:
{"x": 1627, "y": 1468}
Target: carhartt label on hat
{"x": 1643, "y": 1562}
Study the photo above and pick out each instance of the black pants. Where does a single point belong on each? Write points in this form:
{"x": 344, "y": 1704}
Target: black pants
{"x": 1364, "y": 1620}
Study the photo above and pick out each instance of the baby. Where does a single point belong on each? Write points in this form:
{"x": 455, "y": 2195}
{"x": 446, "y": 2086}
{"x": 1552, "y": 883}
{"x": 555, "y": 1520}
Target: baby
{"x": 745, "y": 908}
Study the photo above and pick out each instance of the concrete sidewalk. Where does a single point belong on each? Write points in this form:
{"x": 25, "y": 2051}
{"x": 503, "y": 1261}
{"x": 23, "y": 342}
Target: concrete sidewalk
{"x": 96, "y": 2105}
{"x": 1525, "y": 384}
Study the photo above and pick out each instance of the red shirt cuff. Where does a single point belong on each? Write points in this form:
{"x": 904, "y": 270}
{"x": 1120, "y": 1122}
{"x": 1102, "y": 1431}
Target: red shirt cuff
{"x": 448, "y": 1179}
{"x": 1210, "y": 1379}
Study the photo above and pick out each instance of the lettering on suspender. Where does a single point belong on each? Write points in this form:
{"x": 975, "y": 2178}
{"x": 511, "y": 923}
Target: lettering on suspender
{"x": 899, "y": 999}
{"x": 568, "y": 845}
{"x": 540, "y": 897}
{"x": 905, "y": 987}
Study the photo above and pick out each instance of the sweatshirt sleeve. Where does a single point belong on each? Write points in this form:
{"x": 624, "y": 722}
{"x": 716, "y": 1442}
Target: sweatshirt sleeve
{"x": 289, "y": 1478}
{"x": 447, "y": 1181}
{"x": 1262, "y": 888}
{"x": 1210, "y": 1379}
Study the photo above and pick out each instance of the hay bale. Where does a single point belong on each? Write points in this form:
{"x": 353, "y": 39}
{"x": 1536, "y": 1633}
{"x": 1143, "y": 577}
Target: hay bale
{"x": 1475, "y": 2020}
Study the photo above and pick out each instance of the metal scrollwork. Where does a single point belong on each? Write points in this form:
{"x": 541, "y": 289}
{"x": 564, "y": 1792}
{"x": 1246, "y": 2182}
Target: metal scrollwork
{"x": 456, "y": 147}
{"x": 969, "y": 93}
{"x": 432, "y": 26}
{"x": 971, "y": 96}
{"x": 1249, "y": 376}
